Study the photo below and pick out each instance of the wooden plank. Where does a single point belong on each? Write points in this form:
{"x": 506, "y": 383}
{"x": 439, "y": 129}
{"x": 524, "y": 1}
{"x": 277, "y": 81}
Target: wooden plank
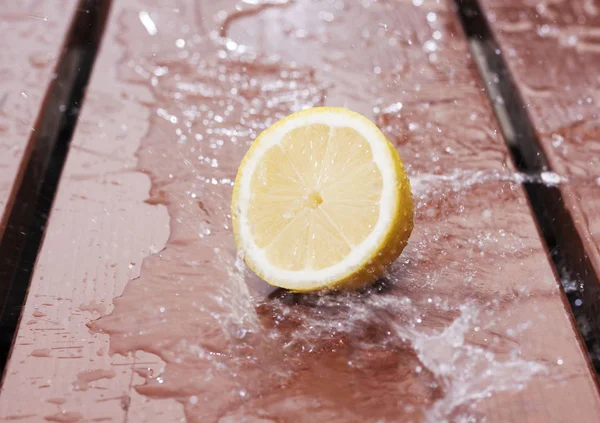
{"x": 471, "y": 322}
{"x": 33, "y": 33}
{"x": 552, "y": 54}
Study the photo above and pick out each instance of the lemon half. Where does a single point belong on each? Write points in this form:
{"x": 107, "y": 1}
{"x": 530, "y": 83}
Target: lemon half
{"x": 321, "y": 200}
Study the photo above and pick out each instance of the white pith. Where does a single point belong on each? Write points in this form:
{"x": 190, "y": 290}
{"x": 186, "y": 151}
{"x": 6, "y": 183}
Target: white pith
{"x": 361, "y": 253}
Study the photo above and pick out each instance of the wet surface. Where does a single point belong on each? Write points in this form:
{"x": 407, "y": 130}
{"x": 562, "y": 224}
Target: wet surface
{"x": 30, "y": 46}
{"x": 468, "y": 325}
{"x": 469, "y": 318}
{"x": 559, "y": 40}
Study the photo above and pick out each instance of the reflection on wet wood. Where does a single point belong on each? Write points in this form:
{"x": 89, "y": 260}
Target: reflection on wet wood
{"x": 469, "y": 323}
{"x": 552, "y": 52}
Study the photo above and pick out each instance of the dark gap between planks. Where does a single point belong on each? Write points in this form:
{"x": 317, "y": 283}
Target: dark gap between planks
{"x": 55, "y": 126}
{"x": 579, "y": 281}
{"x": 48, "y": 145}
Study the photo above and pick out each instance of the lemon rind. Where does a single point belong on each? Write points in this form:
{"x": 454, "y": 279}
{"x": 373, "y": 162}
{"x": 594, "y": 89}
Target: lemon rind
{"x": 368, "y": 260}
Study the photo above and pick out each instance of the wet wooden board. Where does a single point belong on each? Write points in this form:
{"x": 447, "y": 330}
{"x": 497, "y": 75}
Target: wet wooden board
{"x": 552, "y": 52}
{"x": 33, "y": 33}
{"x": 470, "y": 323}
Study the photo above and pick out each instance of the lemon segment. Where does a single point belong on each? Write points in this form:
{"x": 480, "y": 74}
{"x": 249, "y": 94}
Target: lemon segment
{"x": 321, "y": 200}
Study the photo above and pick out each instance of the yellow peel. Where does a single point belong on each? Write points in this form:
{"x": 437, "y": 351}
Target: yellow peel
{"x": 321, "y": 200}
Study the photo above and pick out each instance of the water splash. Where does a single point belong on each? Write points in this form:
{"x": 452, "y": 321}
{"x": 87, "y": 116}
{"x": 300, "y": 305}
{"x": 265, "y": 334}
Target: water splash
{"x": 428, "y": 343}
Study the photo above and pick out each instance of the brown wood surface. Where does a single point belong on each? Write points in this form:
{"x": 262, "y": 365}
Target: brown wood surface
{"x": 470, "y": 324}
{"x": 553, "y": 54}
{"x": 33, "y": 33}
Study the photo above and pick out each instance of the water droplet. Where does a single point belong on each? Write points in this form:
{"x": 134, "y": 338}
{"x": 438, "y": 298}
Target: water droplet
{"x": 231, "y": 45}
{"x": 550, "y": 178}
{"x": 544, "y": 30}
{"x": 557, "y": 140}
{"x": 393, "y": 108}
{"x": 325, "y": 16}
{"x": 148, "y": 23}
{"x": 430, "y": 46}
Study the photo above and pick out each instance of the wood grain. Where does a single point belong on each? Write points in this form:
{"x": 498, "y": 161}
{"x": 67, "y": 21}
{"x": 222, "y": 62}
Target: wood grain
{"x": 552, "y": 52}
{"x": 471, "y": 322}
{"x": 33, "y": 33}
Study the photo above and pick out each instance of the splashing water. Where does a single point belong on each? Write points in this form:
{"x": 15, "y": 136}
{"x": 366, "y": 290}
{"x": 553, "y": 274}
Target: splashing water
{"x": 440, "y": 335}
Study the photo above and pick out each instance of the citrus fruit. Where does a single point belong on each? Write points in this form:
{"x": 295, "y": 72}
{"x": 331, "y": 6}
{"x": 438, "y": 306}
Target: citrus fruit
{"x": 321, "y": 200}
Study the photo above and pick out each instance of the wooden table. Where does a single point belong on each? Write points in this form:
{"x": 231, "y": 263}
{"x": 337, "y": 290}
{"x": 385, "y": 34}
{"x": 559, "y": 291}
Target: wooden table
{"x": 138, "y": 309}
{"x": 33, "y": 41}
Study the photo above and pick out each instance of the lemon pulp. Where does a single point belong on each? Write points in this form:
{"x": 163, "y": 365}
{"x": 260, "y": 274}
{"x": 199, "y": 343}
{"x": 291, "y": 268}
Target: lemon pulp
{"x": 321, "y": 200}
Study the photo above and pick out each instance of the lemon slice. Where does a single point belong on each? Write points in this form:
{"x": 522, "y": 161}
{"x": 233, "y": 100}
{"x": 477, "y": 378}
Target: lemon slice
{"x": 321, "y": 200}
